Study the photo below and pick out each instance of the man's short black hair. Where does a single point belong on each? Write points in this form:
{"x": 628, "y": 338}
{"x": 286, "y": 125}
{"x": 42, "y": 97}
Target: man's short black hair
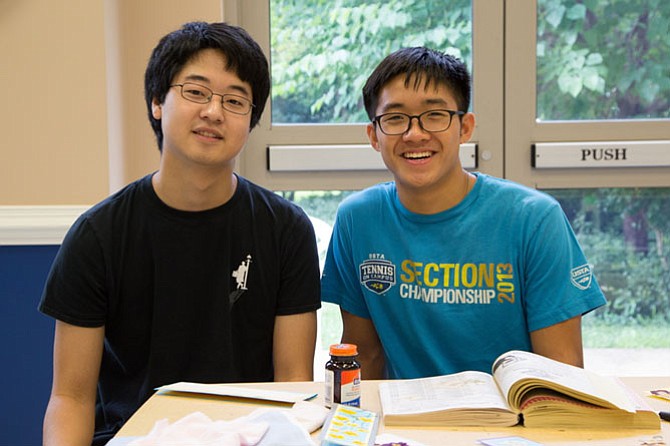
{"x": 419, "y": 65}
{"x": 243, "y": 56}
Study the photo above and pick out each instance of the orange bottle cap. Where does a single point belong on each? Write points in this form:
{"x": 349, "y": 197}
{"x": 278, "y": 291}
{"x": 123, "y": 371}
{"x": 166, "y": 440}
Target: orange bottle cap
{"x": 343, "y": 350}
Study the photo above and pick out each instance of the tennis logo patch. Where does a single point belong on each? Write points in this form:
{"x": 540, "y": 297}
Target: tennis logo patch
{"x": 581, "y": 276}
{"x": 377, "y": 275}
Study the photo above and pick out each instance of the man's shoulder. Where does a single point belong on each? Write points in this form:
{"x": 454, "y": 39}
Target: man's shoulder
{"x": 505, "y": 191}
{"x": 119, "y": 202}
{"x": 368, "y": 198}
{"x": 273, "y": 202}
{"x": 255, "y": 190}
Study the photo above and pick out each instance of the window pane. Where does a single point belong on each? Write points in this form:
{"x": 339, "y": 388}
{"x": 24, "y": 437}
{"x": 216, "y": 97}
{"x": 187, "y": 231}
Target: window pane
{"x": 603, "y": 59}
{"x": 322, "y": 51}
{"x": 625, "y": 234}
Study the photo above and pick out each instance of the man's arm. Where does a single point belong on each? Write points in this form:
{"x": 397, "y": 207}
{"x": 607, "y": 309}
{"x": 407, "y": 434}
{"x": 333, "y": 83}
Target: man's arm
{"x": 293, "y": 348}
{"x": 70, "y": 414}
{"x": 562, "y": 342}
{"x": 362, "y": 332}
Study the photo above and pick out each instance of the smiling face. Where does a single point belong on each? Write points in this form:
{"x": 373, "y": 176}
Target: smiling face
{"x": 203, "y": 135}
{"x": 424, "y": 165}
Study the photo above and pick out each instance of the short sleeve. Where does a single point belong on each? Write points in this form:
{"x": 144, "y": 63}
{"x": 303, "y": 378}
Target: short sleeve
{"x": 558, "y": 283}
{"x": 339, "y": 285}
{"x": 300, "y": 286}
{"x": 75, "y": 287}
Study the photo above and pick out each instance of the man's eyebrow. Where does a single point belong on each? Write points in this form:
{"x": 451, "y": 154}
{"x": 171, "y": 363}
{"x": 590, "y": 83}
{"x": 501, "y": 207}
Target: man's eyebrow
{"x": 429, "y": 101}
{"x": 196, "y": 77}
{"x": 435, "y": 101}
{"x": 200, "y": 78}
{"x": 391, "y": 106}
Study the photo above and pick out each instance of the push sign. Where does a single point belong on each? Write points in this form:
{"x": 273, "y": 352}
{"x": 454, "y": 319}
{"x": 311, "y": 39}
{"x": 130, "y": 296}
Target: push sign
{"x": 548, "y": 155}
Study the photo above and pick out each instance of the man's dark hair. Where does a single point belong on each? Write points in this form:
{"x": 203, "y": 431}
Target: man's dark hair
{"x": 243, "y": 56}
{"x": 419, "y": 65}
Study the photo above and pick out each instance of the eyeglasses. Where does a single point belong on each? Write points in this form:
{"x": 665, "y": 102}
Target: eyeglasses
{"x": 397, "y": 123}
{"x": 203, "y": 95}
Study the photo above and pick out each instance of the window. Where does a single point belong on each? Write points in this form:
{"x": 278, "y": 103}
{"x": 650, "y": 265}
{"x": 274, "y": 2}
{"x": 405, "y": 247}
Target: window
{"x": 602, "y": 60}
{"x": 624, "y": 232}
{"x": 320, "y": 66}
{"x": 601, "y": 75}
{"x": 323, "y": 51}
{"x": 571, "y": 71}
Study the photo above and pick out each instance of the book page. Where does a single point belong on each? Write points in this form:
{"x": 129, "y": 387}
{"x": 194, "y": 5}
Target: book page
{"x": 473, "y": 390}
{"x": 238, "y": 392}
{"x": 517, "y": 372}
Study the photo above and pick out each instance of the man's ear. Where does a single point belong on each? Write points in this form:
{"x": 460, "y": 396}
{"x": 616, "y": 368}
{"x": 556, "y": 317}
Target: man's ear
{"x": 467, "y": 127}
{"x": 156, "y": 109}
{"x": 370, "y": 129}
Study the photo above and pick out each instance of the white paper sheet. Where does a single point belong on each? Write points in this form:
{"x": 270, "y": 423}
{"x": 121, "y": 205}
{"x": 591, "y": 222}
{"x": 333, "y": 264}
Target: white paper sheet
{"x": 239, "y": 392}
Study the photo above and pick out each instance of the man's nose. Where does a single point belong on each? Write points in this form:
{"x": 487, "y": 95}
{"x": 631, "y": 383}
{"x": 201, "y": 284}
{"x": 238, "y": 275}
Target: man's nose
{"x": 214, "y": 108}
{"x": 415, "y": 129}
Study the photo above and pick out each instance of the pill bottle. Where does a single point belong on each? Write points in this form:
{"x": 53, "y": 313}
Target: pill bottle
{"x": 343, "y": 376}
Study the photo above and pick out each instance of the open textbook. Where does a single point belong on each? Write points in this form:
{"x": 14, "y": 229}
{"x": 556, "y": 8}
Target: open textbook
{"x": 524, "y": 388}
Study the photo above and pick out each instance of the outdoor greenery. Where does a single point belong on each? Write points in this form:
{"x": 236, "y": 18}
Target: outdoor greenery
{"x": 320, "y": 66}
{"x": 320, "y": 204}
{"x": 598, "y": 334}
{"x": 603, "y": 59}
{"x": 596, "y": 59}
{"x": 625, "y": 234}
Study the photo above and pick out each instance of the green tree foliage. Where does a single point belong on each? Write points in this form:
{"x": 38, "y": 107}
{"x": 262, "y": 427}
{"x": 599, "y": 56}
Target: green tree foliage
{"x": 625, "y": 234}
{"x": 603, "y": 59}
{"x": 608, "y": 59}
{"x": 324, "y": 50}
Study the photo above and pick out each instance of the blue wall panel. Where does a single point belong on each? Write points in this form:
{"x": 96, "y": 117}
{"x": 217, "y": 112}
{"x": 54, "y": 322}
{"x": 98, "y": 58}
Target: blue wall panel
{"x": 26, "y": 337}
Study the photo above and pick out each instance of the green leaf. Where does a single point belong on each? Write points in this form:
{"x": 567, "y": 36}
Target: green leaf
{"x": 594, "y": 59}
{"x": 555, "y": 16}
{"x": 570, "y": 84}
{"x": 649, "y": 90}
{"x": 570, "y": 37}
{"x": 577, "y": 12}
{"x": 593, "y": 81}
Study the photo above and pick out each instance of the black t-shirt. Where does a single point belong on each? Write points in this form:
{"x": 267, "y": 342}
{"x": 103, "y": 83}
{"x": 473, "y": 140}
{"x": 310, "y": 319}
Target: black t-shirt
{"x": 183, "y": 296}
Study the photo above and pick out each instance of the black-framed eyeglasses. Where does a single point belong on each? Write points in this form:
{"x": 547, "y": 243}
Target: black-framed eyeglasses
{"x": 203, "y": 95}
{"x": 432, "y": 121}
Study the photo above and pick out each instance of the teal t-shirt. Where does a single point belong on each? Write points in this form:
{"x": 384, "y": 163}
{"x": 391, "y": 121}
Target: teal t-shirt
{"x": 452, "y": 291}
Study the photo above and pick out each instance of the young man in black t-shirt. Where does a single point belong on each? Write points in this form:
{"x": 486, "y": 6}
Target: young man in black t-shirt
{"x": 191, "y": 273}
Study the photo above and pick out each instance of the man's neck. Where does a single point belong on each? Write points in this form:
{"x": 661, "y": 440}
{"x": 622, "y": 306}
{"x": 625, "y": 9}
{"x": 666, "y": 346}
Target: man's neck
{"x": 190, "y": 191}
{"x": 439, "y": 198}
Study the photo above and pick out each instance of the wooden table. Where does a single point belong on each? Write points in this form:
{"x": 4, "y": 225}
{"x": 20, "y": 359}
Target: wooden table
{"x": 174, "y": 406}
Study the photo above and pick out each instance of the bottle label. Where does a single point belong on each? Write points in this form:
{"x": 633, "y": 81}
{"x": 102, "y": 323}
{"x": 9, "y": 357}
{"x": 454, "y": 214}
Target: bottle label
{"x": 330, "y": 384}
{"x": 350, "y": 388}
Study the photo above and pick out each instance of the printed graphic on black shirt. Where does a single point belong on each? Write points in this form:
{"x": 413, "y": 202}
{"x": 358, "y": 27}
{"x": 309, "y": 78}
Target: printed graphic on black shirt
{"x": 241, "y": 274}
